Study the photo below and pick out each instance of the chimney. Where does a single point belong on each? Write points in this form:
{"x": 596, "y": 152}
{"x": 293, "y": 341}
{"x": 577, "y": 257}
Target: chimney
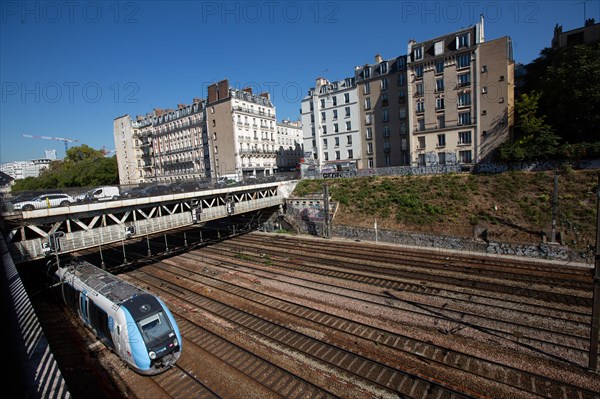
{"x": 378, "y": 59}
{"x": 196, "y": 100}
{"x": 159, "y": 112}
{"x": 213, "y": 93}
{"x": 180, "y": 106}
{"x": 223, "y": 89}
{"x": 266, "y": 95}
{"x": 247, "y": 90}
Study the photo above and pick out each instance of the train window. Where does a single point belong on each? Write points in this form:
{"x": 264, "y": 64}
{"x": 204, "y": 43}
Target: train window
{"x": 155, "y": 326}
{"x": 99, "y": 320}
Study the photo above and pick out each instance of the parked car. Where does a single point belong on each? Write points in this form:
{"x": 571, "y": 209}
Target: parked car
{"x": 44, "y": 201}
{"x": 105, "y": 193}
{"x": 133, "y": 192}
{"x": 152, "y": 191}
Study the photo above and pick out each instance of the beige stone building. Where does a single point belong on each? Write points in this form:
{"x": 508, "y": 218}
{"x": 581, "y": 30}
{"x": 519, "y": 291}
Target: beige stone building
{"x": 382, "y": 99}
{"x": 241, "y": 129}
{"x": 290, "y": 145}
{"x": 163, "y": 146}
{"x": 461, "y": 97}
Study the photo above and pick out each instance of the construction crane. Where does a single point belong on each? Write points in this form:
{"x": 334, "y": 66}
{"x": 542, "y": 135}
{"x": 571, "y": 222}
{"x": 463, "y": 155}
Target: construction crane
{"x": 66, "y": 141}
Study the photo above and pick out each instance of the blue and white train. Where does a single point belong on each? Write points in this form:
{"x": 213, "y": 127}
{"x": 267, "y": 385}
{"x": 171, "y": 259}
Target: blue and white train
{"x": 133, "y": 323}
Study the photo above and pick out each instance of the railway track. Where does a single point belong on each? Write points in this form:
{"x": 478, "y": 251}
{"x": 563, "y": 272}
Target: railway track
{"x": 269, "y": 316}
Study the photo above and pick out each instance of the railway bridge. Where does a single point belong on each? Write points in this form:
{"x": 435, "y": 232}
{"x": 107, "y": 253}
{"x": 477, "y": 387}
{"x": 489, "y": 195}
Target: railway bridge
{"x": 32, "y": 235}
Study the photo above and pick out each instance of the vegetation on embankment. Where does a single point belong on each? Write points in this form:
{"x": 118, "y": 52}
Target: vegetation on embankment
{"x": 512, "y": 206}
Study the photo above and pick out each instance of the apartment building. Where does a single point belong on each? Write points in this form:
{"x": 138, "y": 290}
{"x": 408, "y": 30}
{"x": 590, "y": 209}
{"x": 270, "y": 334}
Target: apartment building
{"x": 163, "y": 146}
{"x": 241, "y": 131}
{"x": 382, "y": 100}
{"x": 461, "y": 96}
{"x": 590, "y": 32}
{"x": 330, "y": 122}
{"x": 290, "y": 145}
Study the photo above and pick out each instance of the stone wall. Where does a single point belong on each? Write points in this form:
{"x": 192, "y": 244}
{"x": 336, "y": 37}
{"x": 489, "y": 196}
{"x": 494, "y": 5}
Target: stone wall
{"x": 541, "y": 251}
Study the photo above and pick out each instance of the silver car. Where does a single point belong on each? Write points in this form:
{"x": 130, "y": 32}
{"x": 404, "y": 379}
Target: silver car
{"x": 44, "y": 201}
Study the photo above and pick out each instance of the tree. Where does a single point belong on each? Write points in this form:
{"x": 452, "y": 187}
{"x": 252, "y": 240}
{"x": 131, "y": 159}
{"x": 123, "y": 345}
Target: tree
{"x": 82, "y": 167}
{"x": 535, "y": 139}
{"x": 569, "y": 77}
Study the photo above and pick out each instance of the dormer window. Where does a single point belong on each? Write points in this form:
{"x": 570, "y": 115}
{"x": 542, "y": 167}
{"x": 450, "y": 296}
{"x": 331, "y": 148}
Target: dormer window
{"x": 383, "y": 67}
{"x": 367, "y": 71}
{"x": 463, "y": 40}
{"x": 417, "y": 53}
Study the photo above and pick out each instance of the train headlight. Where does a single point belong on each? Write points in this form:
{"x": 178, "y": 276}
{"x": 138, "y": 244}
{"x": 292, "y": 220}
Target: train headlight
{"x": 175, "y": 342}
{"x": 152, "y": 355}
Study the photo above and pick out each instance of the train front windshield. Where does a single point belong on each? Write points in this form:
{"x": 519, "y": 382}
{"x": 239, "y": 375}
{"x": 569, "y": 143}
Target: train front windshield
{"x": 155, "y": 328}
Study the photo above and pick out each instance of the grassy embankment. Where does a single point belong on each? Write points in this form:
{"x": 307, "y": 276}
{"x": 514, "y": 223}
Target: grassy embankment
{"x": 513, "y": 206}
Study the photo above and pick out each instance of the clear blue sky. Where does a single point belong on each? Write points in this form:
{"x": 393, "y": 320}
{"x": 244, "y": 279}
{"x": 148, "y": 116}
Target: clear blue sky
{"x": 67, "y": 69}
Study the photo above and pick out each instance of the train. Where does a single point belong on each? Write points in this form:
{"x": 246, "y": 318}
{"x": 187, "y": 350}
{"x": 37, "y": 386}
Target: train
{"x": 133, "y": 323}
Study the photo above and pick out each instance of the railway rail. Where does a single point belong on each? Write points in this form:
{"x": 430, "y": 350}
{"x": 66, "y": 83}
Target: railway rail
{"x": 268, "y": 316}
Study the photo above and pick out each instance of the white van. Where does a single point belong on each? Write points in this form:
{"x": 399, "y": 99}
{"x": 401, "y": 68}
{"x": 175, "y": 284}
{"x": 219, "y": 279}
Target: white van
{"x": 224, "y": 179}
{"x": 105, "y": 193}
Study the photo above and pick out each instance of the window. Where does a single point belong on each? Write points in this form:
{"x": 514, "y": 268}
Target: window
{"x": 335, "y": 128}
{"x": 384, "y": 100}
{"x": 334, "y": 100}
{"x": 385, "y": 115}
{"x": 442, "y": 158}
{"x": 350, "y": 154}
{"x": 323, "y": 118}
{"x": 463, "y": 61}
{"x": 464, "y": 137}
{"x": 347, "y": 109}
{"x": 421, "y": 160}
{"x": 383, "y": 67}
{"x": 417, "y": 53}
{"x": 401, "y": 79}
{"x": 368, "y": 119}
{"x": 322, "y": 103}
{"x": 438, "y": 48}
{"x": 463, "y": 40}
{"x": 483, "y": 68}
{"x": 421, "y": 124}
{"x": 441, "y": 140}
{"x": 465, "y": 156}
{"x": 419, "y": 71}
{"x": 402, "y": 113}
{"x": 386, "y": 131}
{"x": 384, "y": 84}
{"x": 370, "y": 163}
{"x": 464, "y": 99}
{"x": 386, "y": 145}
{"x": 367, "y": 71}
{"x": 421, "y": 142}
{"x": 349, "y": 140}
{"x": 439, "y": 84}
{"x": 441, "y": 121}
{"x": 326, "y": 156}
{"x": 420, "y": 88}
{"x": 334, "y": 114}
{"x": 368, "y": 103}
{"x": 464, "y": 118}
{"x": 464, "y": 79}
{"x": 420, "y": 106}
{"x": 439, "y": 66}
{"x": 348, "y": 125}
{"x": 369, "y": 133}
{"x": 401, "y": 95}
{"x": 324, "y": 129}
{"x": 369, "y": 148}
{"x": 337, "y": 141}
{"x": 439, "y": 103}
{"x": 347, "y": 98}
{"x": 367, "y": 89}
{"x": 324, "y": 144}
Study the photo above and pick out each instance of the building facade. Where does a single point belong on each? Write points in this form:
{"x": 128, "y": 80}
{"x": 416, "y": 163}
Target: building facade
{"x": 290, "y": 145}
{"x": 330, "y": 123}
{"x": 461, "y": 96}
{"x": 589, "y": 33}
{"x": 163, "y": 146}
{"x": 382, "y": 91}
{"x": 241, "y": 131}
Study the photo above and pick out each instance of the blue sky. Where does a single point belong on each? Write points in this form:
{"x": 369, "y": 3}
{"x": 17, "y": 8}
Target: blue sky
{"x": 67, "y": 69}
